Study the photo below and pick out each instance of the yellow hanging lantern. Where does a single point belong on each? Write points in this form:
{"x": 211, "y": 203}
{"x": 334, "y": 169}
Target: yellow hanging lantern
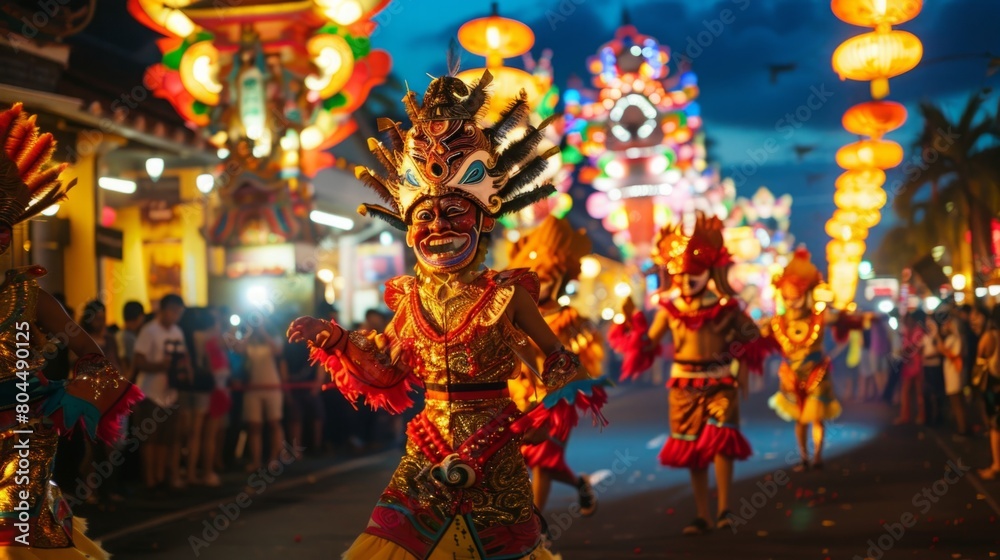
{"x": 873, "y": 13}
{"x": 850, "y": 250}
{"x": 881, "y": 154}
{"x": 843, "y": 282}
{"x": 860, "y": 199}
{"x": 860, "y": 218}
{"x": 876, "y": 57}
{"x": 874, "y": 118}
{"x": 497, "y": 38}
{"x": 843, "y": 231}
{"x": 863, "y": 178}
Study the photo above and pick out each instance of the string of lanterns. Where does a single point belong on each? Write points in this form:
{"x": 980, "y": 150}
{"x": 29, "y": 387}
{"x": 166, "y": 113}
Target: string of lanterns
{"x": 874, "y": 57}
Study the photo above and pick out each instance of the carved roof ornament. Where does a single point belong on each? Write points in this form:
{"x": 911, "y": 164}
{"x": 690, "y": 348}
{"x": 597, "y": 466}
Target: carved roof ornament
{"x": 29, "y": 20}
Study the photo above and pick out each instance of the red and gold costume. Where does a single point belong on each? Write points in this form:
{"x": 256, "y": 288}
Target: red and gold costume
{"x": 35, "y": 520}
{"x": 806, "y": 392}
{"x": 710, "y": 331}
{"x": 553, "y": 251}
{"x": 461, "y": 490}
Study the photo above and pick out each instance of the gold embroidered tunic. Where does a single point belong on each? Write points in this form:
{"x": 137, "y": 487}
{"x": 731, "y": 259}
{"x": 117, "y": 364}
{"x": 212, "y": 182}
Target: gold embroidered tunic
{"x": 457, "y": 341}
{"x": 34, "y": 411}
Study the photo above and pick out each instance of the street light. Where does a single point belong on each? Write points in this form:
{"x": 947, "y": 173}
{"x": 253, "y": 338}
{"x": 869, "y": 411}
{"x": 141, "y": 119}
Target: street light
{"x": 331, "y": 220}
{"x": 154, "y": 168}
{"x": 205, "y": 183}
{"x": 123, "y": 186}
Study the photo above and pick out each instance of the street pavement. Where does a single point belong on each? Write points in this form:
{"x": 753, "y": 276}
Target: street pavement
{"x": 886, "y": 492}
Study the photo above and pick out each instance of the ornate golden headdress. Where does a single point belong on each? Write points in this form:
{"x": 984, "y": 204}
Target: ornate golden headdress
{"x": 28, "y": 181}
{"x": 800, "y": 272}
{"x": 553, "y": 247}
{"x": 448, "y": 152}
{"x": 703, "y": 250}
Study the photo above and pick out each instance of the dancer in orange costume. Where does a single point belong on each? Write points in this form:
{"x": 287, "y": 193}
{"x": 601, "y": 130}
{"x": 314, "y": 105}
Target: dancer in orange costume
{"x": 710, "y": 333}
{"x": 553, "y": 251}
{"x": 35, "y": 520}
{"x": 806, "y": 394}
{"x": 461, "y": 489}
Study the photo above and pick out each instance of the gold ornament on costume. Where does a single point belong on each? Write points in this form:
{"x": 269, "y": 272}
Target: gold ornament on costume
{"x": 448, "y": 152}
{"x": 795, "y": 335}
{"x": 799, "y": 279}
{"x": 703, "y": 250}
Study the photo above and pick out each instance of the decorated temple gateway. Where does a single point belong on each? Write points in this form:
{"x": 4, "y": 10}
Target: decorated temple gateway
{"x": 639, "y": 137}
{"x": 757, "y": 236}
{"x": 273, "y": 84}
{"x": 639, "y": 140}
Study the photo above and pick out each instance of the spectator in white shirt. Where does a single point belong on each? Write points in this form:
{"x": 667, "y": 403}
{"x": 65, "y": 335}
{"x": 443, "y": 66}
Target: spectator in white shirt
{"x": 950, "y": 346}
{"x": 159, "y": 353}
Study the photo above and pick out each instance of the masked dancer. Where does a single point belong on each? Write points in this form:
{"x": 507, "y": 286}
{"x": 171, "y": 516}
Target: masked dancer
{"x": 461, "y": 489}
{"x": 710, "y": 332}
{"x": 806, "y": 393}
{"x": 553, "y": 251}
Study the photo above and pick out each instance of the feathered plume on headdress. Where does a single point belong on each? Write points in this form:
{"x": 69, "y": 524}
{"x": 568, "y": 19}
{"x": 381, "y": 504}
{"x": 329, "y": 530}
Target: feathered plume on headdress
{"x": 554, "y": 246}
{"x": 800, "y": 272}
{"x": 703, "y": 250}
{"x": 28, "y": 181}
{"x": 443, "y": 154}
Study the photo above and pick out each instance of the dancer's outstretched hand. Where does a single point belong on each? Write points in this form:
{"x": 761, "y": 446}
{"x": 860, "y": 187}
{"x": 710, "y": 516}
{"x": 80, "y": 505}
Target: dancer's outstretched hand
{"x": 315, "y": 332}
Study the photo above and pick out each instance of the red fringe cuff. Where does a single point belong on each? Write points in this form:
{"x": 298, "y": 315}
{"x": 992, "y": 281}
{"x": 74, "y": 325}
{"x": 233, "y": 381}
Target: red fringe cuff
{"x": 109, "y": 429}
{"x": 393, "y": 398}
{"x": 630, "y": 340}
{"x": 562, "y": 416}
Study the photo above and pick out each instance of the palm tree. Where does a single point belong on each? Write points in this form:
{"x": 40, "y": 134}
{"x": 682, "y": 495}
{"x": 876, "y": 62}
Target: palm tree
{"x": 955, "y": 188}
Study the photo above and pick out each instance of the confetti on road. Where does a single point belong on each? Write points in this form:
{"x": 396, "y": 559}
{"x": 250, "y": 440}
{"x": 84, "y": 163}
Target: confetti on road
{"x": 657, "y": 442}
